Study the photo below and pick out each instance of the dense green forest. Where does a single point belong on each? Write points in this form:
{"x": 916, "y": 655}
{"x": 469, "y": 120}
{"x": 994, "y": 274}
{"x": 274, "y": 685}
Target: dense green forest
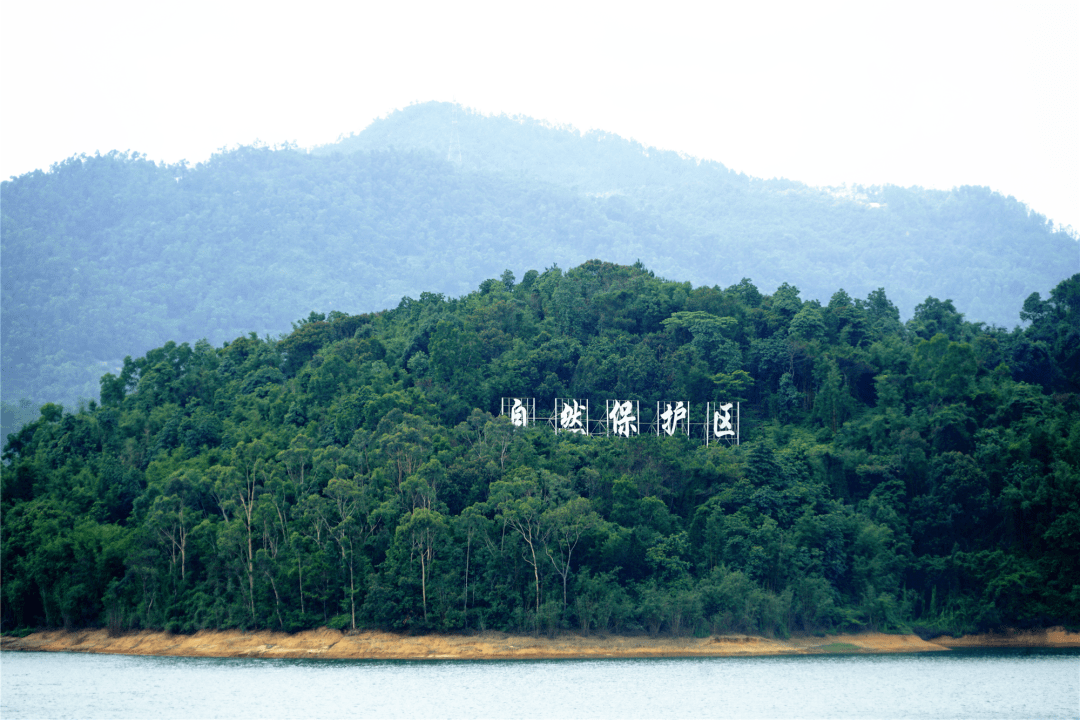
{"x": 356, "y": 472}
{"x": 113, "y": 255}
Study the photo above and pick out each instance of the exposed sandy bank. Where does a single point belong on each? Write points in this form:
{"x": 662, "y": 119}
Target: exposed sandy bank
{"x": 325, "y": 643}
{"x": 1051, "y": 637}
{"x": 332, "y": 644}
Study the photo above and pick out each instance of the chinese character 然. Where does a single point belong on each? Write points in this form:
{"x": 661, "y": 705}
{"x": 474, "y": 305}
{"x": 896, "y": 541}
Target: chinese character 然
{"x": 519, "y": 414}
{"x": 722, "y": 421}
{"x": 619, "y": 414}
{"x": 570, "y": 417}
{"x": 672, "y": 417}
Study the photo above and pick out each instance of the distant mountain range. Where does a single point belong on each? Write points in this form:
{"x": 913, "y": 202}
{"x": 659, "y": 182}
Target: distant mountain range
{"x": 109, "y": 256}
{"x": 984, "y": 251}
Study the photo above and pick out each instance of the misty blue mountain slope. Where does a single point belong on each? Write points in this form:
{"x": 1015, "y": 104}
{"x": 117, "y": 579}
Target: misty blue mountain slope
{"x": 984, "y": 251}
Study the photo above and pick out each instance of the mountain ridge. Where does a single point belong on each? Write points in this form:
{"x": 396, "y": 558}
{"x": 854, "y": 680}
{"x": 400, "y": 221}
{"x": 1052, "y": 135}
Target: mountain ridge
{"x": 740, "y": 211}
{"x": 112, "y": 255}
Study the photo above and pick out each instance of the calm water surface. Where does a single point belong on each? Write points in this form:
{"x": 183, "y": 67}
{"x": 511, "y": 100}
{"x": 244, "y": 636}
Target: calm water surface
{"x": 958, "y": 684}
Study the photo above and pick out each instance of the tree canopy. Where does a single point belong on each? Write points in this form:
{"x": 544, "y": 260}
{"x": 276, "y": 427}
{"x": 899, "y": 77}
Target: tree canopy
{"x": 357, "y": 472}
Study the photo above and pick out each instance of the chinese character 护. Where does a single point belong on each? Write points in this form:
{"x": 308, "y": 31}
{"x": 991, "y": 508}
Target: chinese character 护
{"x": 672, "y": 417}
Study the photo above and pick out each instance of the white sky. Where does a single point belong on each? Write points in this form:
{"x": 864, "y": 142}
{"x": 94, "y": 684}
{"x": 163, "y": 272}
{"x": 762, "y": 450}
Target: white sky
{"x": 911, "y": 92}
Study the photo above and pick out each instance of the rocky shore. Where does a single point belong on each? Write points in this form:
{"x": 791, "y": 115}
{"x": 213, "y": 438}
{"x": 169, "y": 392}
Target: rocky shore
{"x": 374, "y": 645}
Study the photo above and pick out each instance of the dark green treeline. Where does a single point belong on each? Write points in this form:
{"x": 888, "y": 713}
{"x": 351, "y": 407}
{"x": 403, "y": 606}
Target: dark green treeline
{"x": 353, "y": 474}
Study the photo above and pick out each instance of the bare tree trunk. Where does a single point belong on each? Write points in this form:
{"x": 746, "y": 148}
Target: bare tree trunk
{"x": 468, "y": 549}
{"x": 536, "y": 574}
{"x": 277, "y": 599}
{"x": 300, "y": 569}
{"x": 251, "y": 574}
{"x": 352, "y": 596}
{"x": 183, "y": 545}
{"x": 423, "y": 582}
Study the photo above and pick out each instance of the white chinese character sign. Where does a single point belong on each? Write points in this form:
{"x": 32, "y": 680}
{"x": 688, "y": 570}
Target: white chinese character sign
{"x": 572, "y": 416}
{"x": 522, "y": 411}
{"x": 622, "y": 417}
{"x": 721, "y": 424}
{"x": 674, "y": 417}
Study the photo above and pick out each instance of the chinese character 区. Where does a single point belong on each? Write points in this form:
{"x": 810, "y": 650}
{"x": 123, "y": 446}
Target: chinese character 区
{"x": 722, "y": 421}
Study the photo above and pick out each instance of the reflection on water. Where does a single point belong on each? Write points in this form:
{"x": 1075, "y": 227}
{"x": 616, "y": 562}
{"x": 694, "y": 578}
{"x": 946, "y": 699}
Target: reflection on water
{"x": 958, "y": 684}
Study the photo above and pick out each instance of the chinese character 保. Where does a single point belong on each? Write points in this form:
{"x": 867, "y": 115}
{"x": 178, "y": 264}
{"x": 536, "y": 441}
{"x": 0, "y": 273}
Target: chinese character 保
{"x": 519, "y": 414}
{"x": 722, "y": 421}
{"x": 621, "y": 417}
{"x": 672, "y": 417}
{"x": 570, "y": 417}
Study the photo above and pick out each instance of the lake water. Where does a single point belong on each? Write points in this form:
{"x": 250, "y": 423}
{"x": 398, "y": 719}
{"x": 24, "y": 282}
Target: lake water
{"x": 957, "y": 684}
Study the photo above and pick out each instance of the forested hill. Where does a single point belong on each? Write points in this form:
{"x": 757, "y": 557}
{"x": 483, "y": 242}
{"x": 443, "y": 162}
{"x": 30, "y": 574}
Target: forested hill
{"x": 109, "y": 256}
{"x": 357, "y": 472}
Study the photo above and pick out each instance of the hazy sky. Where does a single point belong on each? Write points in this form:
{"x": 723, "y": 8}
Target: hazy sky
{"x": 911, "y": 93}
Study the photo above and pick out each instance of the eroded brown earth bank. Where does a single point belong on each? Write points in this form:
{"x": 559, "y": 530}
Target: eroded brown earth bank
{"x": 368, "y": 644}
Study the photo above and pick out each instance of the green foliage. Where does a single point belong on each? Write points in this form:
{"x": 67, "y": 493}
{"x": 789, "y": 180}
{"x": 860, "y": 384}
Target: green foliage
{"x": 353, "y": 473}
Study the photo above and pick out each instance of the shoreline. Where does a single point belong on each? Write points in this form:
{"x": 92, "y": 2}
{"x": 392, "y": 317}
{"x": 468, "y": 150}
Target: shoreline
{"x": 324, "y": 643}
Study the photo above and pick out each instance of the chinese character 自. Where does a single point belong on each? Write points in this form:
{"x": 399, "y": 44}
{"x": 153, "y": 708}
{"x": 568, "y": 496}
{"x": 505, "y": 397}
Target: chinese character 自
{"x": 519, "y": 414}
